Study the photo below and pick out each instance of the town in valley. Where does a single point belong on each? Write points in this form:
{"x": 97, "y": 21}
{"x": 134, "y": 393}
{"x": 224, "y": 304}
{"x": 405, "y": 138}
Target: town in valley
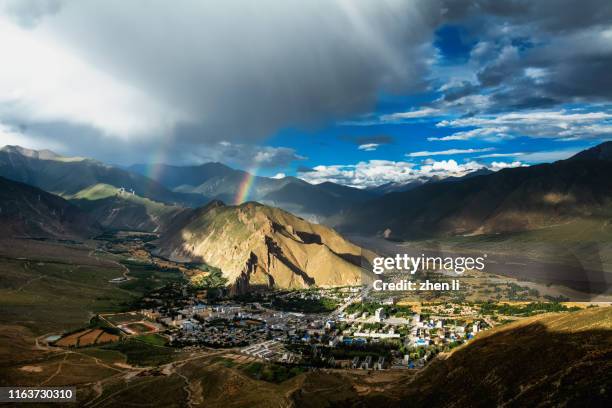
{"x": 348, "y": 327}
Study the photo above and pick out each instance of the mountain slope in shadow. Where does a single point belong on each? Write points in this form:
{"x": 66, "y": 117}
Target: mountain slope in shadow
{"x": 548, "y": 360}
{"x": 68, "y": 176}
{"x": 28, "y": 212}
{"x": 509, "y": 200}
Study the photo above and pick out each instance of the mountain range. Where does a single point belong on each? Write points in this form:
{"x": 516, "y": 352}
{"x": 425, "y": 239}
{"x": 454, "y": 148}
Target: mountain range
{"x": 71, "y": 176}
{"x": 186, "y": 186}
{"x": 480, "y": 202}
{"x": 510, "y": 200}
{"x": 564, "y": 358}
{"x": 253, "y": 244}
{"x": 398, "y": 187}
{"x": 216, "y": 181}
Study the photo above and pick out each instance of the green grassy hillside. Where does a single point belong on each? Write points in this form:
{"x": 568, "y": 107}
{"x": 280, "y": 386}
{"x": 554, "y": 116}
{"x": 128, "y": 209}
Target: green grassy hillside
{"x": 122, "y": 210}
{"x": 55, "y": 174}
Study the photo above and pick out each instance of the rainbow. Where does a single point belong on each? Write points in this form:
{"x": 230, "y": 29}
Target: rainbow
{"x": 244, "y": 187}
{"x": 154, "y": 168}
{"x": 159, "y": 158}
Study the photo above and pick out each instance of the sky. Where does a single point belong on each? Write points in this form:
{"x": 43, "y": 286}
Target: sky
{"x": 360, "y": 93}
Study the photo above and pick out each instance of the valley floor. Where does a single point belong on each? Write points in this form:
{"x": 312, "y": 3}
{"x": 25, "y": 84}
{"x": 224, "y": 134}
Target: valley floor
{"x": 48, "y": 288}
{"x": 576, "y": 270}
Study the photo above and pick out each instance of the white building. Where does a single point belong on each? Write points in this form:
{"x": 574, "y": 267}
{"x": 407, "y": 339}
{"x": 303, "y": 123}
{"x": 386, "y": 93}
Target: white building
{"x": 367, "y": 362}
{"x": 374, "y": 335}
{"x": 380, "y": 364}
{"x": 334, "y": 342}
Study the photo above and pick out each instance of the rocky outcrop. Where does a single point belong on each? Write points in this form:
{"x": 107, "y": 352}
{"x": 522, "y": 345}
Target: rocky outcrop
{"x": 257, "y": 246}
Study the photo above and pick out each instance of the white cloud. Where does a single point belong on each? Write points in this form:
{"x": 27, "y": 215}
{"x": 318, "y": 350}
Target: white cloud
{"x": 42, "y": 81}
{"x": 537, "y": 74}
{"x": 503, "y": 165}
{"x": 413, "y": 114}
{"x": 536, "y": 157}
{"x": 467, "y": 103}
{"x": 563, "y": 118}
{"x": 548, "y": 156}
{"x": 491, "y": 134}
{"x": 377, "y": 172}
{"x": 369, "y": 147}
{"x": 279, "y": 176}
{"x": 561, "y": 124}
{"x": 362, "y": 174}
{"x": 215, "y": 70}
{"x": 446, "y": 168}
{"x": 448, "y": 152}
{"x": 394, "y": 118}
{"x": 493, "y": 155}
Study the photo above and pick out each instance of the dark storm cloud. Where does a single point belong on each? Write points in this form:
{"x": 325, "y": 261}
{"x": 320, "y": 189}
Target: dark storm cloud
{"x": 555, "y": 16}
{"x": 305, "y": 169}
{"x": 533, "y": 54}
{"x": 73, "y": 139}
{"x": 242, "y": 70}
{"x": 258, "y": 156}
{"x": 236, "y": 71}
{"x": 458, "y": 91}
{"x": 182, "y": 77}
{"x": 367, "y": 139}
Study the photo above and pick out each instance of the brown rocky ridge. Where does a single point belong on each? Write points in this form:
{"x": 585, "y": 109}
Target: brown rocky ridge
{"x": 257, "y": 246}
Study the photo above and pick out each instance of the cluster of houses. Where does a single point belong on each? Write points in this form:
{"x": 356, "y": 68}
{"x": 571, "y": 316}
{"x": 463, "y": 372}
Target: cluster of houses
{"x": 211, "y": 325}
{"x": 122, "y": 190}
{"x": 226, "y": 324}
{"x": 266, "y": 334}
{"x": 368, "y": 363}
{"x": 271, "y": 350}
{"x": 438, "y": 331}
{"x": 413, "y": 333}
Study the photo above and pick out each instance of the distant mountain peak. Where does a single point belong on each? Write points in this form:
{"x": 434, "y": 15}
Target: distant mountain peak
{"x": 38, "y": 154}
{"x": 483, "y": 171}
{"x": 602, "y": 151}
{"x": 44, "y": 154}
{"x": 507, "y": 201}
